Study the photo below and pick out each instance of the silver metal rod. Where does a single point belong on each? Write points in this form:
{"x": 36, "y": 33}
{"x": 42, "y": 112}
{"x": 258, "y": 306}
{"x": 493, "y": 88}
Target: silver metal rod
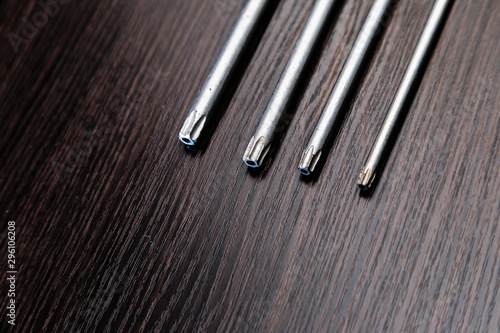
{"x": 216, "y": 84}
{"x": 270, "y": 122}
{"x": 331, "y": 113}
{"x": 379, "y": 149}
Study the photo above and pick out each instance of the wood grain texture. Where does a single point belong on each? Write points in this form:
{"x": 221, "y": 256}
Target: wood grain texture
{"x": 119, "y": 228}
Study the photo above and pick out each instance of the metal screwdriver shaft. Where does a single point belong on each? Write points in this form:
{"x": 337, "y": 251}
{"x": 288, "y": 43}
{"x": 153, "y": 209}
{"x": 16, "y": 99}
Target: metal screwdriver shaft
{"x": 227, "y": 63}
{"x": 270, "y": 122}
{"x": 382, "y": 144}
{"x": 331, "y": 112}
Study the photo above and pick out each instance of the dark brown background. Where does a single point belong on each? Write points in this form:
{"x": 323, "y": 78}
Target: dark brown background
{"x": 120, "y": 228}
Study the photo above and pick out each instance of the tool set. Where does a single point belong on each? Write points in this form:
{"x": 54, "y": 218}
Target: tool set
{"x": 272, "y": 121}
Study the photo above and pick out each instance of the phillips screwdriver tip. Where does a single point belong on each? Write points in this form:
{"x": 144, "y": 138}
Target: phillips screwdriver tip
{"x": 309, "y": 160}
{"x": 193, "y": 126}
{"x": 256, "y": 152}
{"x": 366, "y": 179}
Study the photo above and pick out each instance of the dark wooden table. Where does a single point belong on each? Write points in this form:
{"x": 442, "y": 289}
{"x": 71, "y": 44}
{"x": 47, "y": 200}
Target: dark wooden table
{"x": 120, "y": 228}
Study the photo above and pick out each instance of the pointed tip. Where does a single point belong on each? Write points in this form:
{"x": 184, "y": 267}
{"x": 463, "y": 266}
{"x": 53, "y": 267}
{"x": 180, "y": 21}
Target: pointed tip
{"x": 366, "y": 179}
{"x": 309, "y": 160}
{"x": 256, "y": 152}
{"x": 192, "y": 128}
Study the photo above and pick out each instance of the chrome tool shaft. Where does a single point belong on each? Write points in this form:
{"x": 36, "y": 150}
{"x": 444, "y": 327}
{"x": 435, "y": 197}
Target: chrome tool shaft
{"x": 345, "y": 82}
{"x": 270, "y": 122}
{"x": 410, "y": 78}
{"x": 227, "y": 63}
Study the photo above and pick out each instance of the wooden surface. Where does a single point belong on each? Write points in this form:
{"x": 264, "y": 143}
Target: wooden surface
{"x": 119, "y": 228}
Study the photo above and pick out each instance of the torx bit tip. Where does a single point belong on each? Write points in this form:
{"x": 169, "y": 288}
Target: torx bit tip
{"x": 256, "y": 152}
{"x": 333, "y": 111}
{"x": 309, "y": 160}
{"x": 228, "y": 63}
{"x": 385, "y": 139}
{"x": 366, "y": 179}
{"x": 193, "y": 126}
